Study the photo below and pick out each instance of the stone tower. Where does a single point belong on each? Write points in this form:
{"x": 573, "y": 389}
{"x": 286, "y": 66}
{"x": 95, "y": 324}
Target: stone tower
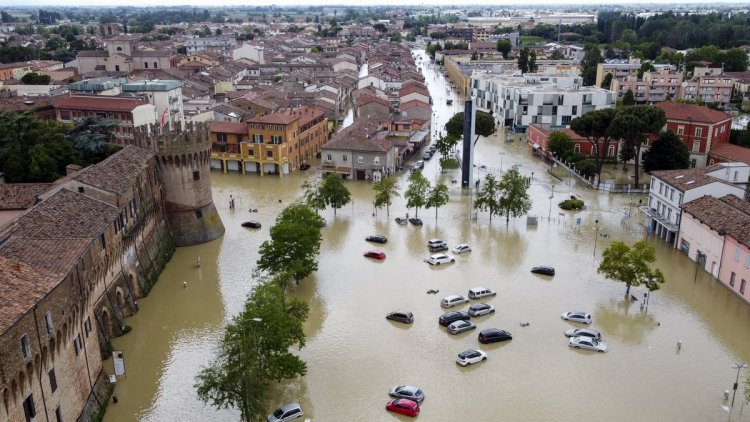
{"x": 184, "y": 169}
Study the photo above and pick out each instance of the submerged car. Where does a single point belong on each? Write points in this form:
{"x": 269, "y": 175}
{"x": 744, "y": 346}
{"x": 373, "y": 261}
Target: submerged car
{"x": 588, "y": 343}
{"x": 433, "y": 243}
{"x": 416, "y": 221}
{"x": 286, "y": 413}
{"x": 480, "y": 309}
{"x": 251, "y": 224}
{"x": 460, "y": 326}
{"x": 584, "y": 332}
{"x": 401, "y": 316}
{"x": 453, "y": 316}
{"x": 494, "y": 335}
{"x": 543, "y": 270}
{"x": 402, "y": 221}
{"x": 379, "y": 255}
{"x": 407, "y": 392}
{"x": 453, "y": 300}
{"x": 377, "y": 238}
{"x": 461, "y": 248}
{"x": 403, "y": 406}
{"x": 577, "y": 316}
{"x": 480, "y": 292}
{"x": 440, "y": 258}
{"x": 470, "y": 357}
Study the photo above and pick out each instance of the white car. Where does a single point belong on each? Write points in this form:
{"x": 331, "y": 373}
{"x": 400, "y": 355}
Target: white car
{"x": 577, "y": 316}
{"x": 587, "y": 343}
{"x": 480, "y": 309}
{"x": 453, "y": 300}
{"x": 582, "y": 332}
{"x": 461, "y": 248}
{"x": 470, "y": 357}
{"x": 460, "y": 326}
{"x": 440, "y": 258}
{"x": 286, "y": 413}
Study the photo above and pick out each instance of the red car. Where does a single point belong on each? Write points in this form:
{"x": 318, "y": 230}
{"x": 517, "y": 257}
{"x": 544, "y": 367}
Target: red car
{"x": 379, "y": 255}
{"x": 403, "y": 406}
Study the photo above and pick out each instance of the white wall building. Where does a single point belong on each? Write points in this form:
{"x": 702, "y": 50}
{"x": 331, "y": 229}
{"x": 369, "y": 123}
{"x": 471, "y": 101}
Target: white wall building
{"x": 520, "y": 100}
{"x": 671, "y": 188}
{"x": 165, "y": 95}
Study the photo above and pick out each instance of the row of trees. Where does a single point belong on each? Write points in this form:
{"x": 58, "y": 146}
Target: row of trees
{"x": 508, "y": 197}
{"x": 255, "y": 350}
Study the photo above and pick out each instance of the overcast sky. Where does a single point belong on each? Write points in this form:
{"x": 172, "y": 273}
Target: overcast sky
{"x": 204, "y": 3}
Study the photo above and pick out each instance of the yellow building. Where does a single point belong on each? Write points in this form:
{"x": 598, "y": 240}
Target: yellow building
{"x": 275, "y": 143}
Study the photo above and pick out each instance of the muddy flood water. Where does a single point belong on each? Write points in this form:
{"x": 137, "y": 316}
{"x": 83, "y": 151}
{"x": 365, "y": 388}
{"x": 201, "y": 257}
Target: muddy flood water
{"x": 355, "y": 355}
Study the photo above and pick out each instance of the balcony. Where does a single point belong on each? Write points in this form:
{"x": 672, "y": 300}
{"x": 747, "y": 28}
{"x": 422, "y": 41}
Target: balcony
{"x": 329, "y": 163}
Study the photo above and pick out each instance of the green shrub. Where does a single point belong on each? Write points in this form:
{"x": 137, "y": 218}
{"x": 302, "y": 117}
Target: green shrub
{"x": 571, "y": 204}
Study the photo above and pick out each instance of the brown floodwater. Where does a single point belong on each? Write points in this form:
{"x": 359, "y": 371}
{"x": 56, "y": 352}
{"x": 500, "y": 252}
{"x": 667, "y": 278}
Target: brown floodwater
{"x": 355, "y": 355}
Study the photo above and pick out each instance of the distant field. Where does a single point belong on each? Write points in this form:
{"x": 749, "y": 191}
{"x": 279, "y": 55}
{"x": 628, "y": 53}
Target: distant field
{"x": 527, "y": 40}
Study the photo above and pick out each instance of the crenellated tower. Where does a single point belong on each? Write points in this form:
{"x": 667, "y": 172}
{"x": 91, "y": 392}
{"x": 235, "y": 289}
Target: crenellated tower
{"x": 184, "y": 169}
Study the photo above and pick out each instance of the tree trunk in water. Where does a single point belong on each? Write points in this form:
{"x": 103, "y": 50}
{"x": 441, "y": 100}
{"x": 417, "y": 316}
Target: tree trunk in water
{"x": 627, "y": 291}
{"x": 416, "y": 212}
{"x": 637, "y": 165}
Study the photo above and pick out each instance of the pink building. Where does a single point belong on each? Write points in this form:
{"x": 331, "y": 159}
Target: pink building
{"x": 715, "y": 233}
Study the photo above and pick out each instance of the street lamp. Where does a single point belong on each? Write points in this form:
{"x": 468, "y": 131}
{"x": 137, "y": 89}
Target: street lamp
{"x": 502, "y": 155}
{"x": 596, "y": 234}
{"x": 738, "y": 366}
{"x": 552, "y": 195}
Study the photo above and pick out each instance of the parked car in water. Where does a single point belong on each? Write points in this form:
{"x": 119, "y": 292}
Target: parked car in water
{"x": 470, "y": 357}
{"x": 401, "y": 315}
{"x": 453, "y": 316}
{"x": 588, "y": 343}
{"x": 379, "y": 255}
{"x": 453, "y": 300}
{"x": 377, "y": 238}
{"x": 286, "y": 413}
{"x": 251, "y": 224}
{"x": 480, "y": 309}
{"x": 480, "y": 292}
{"x": 440, "y": 258}
{"x": 435, "y": 242}
{"x": 401, "y": 221}
{"x": 419, "y": 165}
{"x": 407, "y": 392}
{"x": 415, "y": 221}
{"x": 494, "y": 335}
{"x": 427, "y": 155}
{"x": 460, "y": 326}
{"x": 543, "y": 270}
{"x": 461, "y": 248}
{"x": 403, "y": 406}
{"x": 577, "y": 316}
{"x": 584, "y": 332}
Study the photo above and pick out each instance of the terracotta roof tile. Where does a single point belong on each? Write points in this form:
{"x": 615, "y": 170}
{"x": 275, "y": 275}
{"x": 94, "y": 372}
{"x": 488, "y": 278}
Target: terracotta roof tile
{"x": 21, "y": 286}
{"x": 731, "y": 152}
{"x": 119, "y": 171}
{"x": 20, "y": 196}
{"x": 727, "y": 215}
{"x": 100, "y": 103}
{"x": 686, "y": 179}
{"x": 53, "y": 255}
{"x": 228, "y": 127}
{"x": 681, "y": 111}
{"x": 274, "y": 118}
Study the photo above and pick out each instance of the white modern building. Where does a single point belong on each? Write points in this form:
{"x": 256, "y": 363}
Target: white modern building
{"x": 671, "y": 188}
{"x": 165, "y": 95}
{"x": 219, "y": 45}
{"x": 516, "y": 101}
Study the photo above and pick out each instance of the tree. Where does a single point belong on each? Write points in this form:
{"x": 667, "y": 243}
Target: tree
{"x": 595, "y": 127}
{"x": 634, "y": 124}
{"x": 294, "y": 245}
{"x": 334, "y": 193}
{"x": 645, "y": 67}
{"x": 437, "y": 197}
{"x": 445, "y": 145}
{"x": 254, "y": 352}
{"x": 416, "y": 192}
{"x": 385, "y": 190}
{"x": 630, "y": 265}
{"x": 628, "y": 98}
{"x": 523, "y": 60}
{"x": 667, "y": 152}
{"x": 91, "y": 135}
{"x": 560, "y": 144}
{"x": 35, "y": 79}
{"x": 514, "y": 194}
{"x": 474, "y": 56}
{"x": 484, "y": 125}
{"x": 504, "y": 46}
{"x": 591, "y": 59}
{"x": 532, "y": 62}
{"x": 311, "y": 195}
{"x": 607, "y": 81}
{"x": 488, "y": 198}
{"x": 627, "y": 153}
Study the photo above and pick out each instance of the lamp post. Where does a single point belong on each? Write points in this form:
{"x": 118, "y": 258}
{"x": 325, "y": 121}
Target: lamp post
{"x": 596, "y": 234}
{"x": 502, "y": 155}
{"x": 738, "y": 366}
{"x": 552, "y": 195}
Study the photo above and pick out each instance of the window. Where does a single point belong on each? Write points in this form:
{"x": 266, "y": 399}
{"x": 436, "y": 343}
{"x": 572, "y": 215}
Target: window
{"x": 575, "y": 110}
{"x": 258, "y": 139}
{"x": 698, "y": 132}
{"x": 80, "y": 189}
{"x": 680, "y": 130}
{"x": 344, "y": 158}
{"x": 696, "y": 146}
{"x": 221, "y": 137}
{"x": 196, "y": 175}
{"x": 87, "y": 326}
{"x": 742, "y": 286}
{"x": 52, "y": 380}
{"x": 117, "y": 68}
{"x": 145, "y": 64}
{"x": 28, "y": 408}
{"x": 198, "y": 214}
{"x": 737, "y": 254}
{"x": 376, "y": 161}
{"x": 155, "y": 65}
{"x": 269, "y": 154}
{"x": 732, "y": 278}
{"x": 276, "y": 140}
{"x": 48, "y": 323}
{"x": 360, "y": 159}
{"x": 671, "y": 194}
{"x": 77, "y": 344}
{"x": 102, "y": 241}
{"x": 328, "y": 157}
{"x": 577, "y": 148}
{"x": 565, "y": 120}
{"x": 735, "y": 176}
{"x": 680, "y": 200}
{"x": 747, "y": 261}
{"x": 25, "y": 351}
{"x": 611, "y": 151}
{"x": 685, "y": 247}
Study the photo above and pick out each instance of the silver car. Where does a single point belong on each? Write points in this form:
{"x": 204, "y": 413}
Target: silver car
{"x": 577, "y": 316}
{"x": 453, "y": 300}
{"x": 286, "y": 413}
{"x": 407, "y": 392}
{"x": 584, "y": 332}
{"x": 480, "y": 309}
{"x": 588, "y": 343}
{"x": 458, "y": 327}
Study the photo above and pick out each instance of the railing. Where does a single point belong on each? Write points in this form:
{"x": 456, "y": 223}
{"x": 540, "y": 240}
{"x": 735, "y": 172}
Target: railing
{"x": 329, "y": 163}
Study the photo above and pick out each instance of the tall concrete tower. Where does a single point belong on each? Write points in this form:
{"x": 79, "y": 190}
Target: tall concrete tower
{"x": 184, "y": 169}
{"x": 467, "y": 159}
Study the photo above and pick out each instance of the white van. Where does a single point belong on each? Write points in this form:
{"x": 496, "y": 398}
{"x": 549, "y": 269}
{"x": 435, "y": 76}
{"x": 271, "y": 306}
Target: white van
{"x": 479, "y": 292}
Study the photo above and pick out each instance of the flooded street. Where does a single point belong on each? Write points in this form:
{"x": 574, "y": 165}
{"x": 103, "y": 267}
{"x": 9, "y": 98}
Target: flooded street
{"x": 355, "y": 355}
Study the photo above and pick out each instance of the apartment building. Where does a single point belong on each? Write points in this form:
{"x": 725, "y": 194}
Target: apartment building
{"x": 700, "y": 128}
{"x": 219, "y": 45}
{"x": 129, "y": 113}
{"x": 164, "y": 95}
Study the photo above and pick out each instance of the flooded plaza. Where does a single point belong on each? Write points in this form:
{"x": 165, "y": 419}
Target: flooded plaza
{"x": 355, "y": 355}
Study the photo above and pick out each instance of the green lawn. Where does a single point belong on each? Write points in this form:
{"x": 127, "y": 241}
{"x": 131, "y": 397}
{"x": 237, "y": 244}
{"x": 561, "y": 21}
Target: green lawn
{"x": 529, "y": 40}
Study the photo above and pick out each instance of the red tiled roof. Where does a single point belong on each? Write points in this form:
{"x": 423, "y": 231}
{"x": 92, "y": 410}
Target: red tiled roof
{"x": 681, "y": 111}
{"x": 20, "y": 196}
{"x": 119, "y": 171}
{"x": 367, "y": 99}
{"x": 228, "y": 127}
{"x": 728, "y": 215}
{"x": 731, "y": 152}
{"x": 21, "y": 286}
{"x": 415, "y": 103}
{"x": 274, "y": 118}
{"x": 100, "y": 103}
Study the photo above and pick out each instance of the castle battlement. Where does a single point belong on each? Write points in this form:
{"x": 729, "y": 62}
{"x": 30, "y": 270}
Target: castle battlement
{"x": 187, "y": 139}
